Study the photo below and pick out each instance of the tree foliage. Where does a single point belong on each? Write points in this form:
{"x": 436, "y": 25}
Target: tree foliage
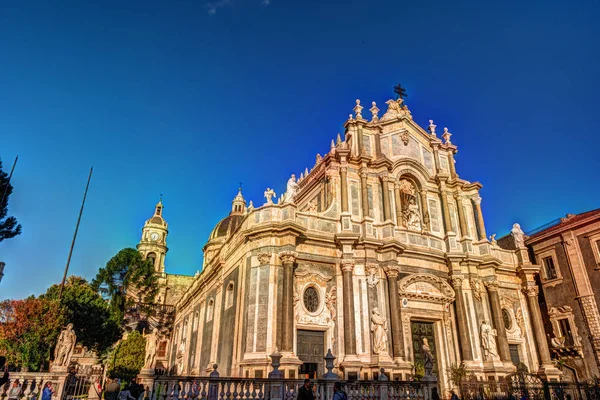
{"x": 90, "y": 314}
{"x": 128, "y": 359}
{"x": 28, "y": 330}
{"x": 9, "y": 227}
{"x": 127, "y": 278}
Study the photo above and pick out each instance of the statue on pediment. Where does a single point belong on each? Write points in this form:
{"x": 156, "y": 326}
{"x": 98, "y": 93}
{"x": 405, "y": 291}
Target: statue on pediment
{"x": 292, "y": 187}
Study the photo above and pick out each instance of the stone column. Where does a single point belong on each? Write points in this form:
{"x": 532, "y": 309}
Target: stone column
{"x": 453, "y": 173}
{"x": 344, "y": 188}
{"x": 365, "y": 195}
{"x": 503, "y": 349}
{"x": 446, "y": 211}
{"x": 480, "y": 224}
{"x": 398, "y": 205}
{"x": 288, "y": 258}
{"x": 464, "y": 228}
{"x": 426, "y": 216}
{"x": 531, "y": 291}
{"x": 387, "y": 214}
{"x": 397, "y": 339}
{"x": 348, "y": 296}
{"x": 463, "y": 327}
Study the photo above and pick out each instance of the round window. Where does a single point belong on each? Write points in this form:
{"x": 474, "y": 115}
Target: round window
{"x": 311, "y": 299}
{"x": 507, "y": 318}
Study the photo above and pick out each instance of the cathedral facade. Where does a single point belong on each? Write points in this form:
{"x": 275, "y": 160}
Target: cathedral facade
{"x": 378, "y": 252}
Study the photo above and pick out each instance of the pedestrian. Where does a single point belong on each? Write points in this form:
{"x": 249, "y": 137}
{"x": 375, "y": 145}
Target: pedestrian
{"x": 338, "y": 393}
{"x": 135, "y": 389}
{"x": 111, "y": 392}
{"x": 15, "y": 390}
{"x": 125, "y": 394}
{"x": 305, "y": 392}
{"x": 454, "y": 396}
{"x": 434, "y": 394}
{"x": 48, "y": 391}
{"x": 3, "y": 367}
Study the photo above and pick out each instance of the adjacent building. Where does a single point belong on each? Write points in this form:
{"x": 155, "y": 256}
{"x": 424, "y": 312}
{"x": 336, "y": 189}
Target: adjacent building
{"x": 568, "y": 252}
{"x": 378, "y": 252}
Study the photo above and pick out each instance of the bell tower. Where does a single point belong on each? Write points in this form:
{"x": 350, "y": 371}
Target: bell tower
{"x": 153, "y": 244}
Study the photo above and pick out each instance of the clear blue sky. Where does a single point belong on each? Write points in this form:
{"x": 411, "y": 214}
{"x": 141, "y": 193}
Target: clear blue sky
{"x": 188, "y": 98}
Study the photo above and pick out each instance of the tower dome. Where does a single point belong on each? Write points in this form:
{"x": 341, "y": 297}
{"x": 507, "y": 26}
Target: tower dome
{"x": 230, "y": 223}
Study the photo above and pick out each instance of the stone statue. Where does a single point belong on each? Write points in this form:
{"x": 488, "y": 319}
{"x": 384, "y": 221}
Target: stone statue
{"x": 379, "y": 329}
{"x": 151, "y": 346}
{"x": 250, "y": 207}
{"x": 493, "y": 239}
{"x": 427, "y": 356}
{"x": 558, "y": 341}
{"x": 269, "y": 193}
{"x": 518, "y": 235}
{"x": 292, "y": 186}
{"x": 488, "y": 341}
{"x": 411, "y": 215}
{"x": 64, "y": 347}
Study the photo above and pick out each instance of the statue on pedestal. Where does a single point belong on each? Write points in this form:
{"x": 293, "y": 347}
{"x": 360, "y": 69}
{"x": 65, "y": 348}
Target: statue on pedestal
{"x": 292, "y": 187}
{"x": 488, "y": 341}
{"x": 151, "y": 347}
{"x": 518, "y": 235}
{"x": 379, "y": 329}
{"x": 64, "y": 348}
{"x": 269, "y": 194}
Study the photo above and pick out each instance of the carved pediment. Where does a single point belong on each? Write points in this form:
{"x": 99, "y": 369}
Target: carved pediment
{"x": 303, "y": 277}
{"x": 427, "y": 287}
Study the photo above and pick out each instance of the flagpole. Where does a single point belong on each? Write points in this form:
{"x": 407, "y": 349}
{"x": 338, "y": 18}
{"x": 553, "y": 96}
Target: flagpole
{"x": 8, "y": 182}
{"x": 62, "y": 284}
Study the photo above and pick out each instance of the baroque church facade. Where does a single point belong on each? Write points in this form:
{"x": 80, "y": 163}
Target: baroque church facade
{"x": 379, "y": 252}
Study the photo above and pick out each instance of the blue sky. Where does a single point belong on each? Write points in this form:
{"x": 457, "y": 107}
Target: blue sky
{"x": 187, "y": 98}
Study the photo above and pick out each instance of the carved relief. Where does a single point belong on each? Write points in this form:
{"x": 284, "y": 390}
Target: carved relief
{"x": 263, "y": 258}
{"x": 476, "y": 288}
{"x": 405, "y": 137}
{"x": 514, "y": 331}
{"x": 426, "y": 287}
{"x": 313, "y": 305}
{"x": 372, "y": 272}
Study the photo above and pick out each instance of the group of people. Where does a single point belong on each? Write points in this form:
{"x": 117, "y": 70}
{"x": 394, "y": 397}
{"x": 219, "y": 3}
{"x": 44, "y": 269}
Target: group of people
{"x": 16, "y": 389}
{"x": 131, "y": 391}
{"x": 306, "y": 391}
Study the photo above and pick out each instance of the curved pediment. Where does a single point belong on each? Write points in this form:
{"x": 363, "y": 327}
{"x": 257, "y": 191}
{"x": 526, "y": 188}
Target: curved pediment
{"x": 425, "y": 286}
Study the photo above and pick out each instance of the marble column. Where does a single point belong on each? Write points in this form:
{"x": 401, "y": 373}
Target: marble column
{"x": 531, "y": 291}
{"x": 348, "y": 296}
{"x": 446, "y": 211}
{"x": 364, "y": 192}
{"x": 288, "y": 258}
{"x": 480, "y": 224}
{"x": 397, "y": 339}
{"x": 464, "y": 228}
{"x": 387, "y": 214}
{"x": 466, "y": 351}
{"x": 344, "y": 188}
{"x": 496, "y": 307}
{"x": 398, "y": 205}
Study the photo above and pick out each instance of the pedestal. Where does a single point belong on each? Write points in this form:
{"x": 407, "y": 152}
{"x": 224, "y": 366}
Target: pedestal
{"x": 549, "y": 373}
{"x": 146, "y": 377}
{"x": 351, "y": 364}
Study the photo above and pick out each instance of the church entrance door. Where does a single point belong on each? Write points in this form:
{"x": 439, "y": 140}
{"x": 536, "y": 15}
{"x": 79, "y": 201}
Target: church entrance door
{"x": 311, "y": 350}
{"x": 420, "y": 331}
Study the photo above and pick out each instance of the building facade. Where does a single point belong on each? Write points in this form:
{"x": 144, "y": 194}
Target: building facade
{"x": 378, "y": 252}
{"x": 568, "y": 252}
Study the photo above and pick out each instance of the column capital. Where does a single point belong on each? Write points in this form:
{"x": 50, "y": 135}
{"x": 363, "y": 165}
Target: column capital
{"x": 288, "y": 257}
{"x": 263, "y": 257}
{"x": 531, "y": 289}
{"x": 343, "y": 169}
{"x": 458, "y": 196}
{"x": 384, "y": 177}
{"x": 476, "y": 200}
{"x": 456, "y": 281}
{"x": 363, "y": 173}
{"x": 391, "y": 272}
{"x": 491, "y": 286}
{"x": 347, "y": 265}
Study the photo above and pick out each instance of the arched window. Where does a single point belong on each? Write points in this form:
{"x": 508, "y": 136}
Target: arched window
{"x": 210, "y": 310}
{"x": 195, "y": 323}
{"x": 229, "y": 295}
{"x": 152, "y": 258}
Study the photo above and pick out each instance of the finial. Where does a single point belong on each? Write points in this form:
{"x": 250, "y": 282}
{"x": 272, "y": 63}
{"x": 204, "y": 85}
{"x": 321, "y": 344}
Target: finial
{"x": 350, "y": 117}
{"x": 375, "y": 111}
{"x": 305, "y": 171}
{"x": 400, "y": 93}
{"x": 339, "y": 138}
{"x": 240, "y": 188}
{"x": 358, "y": 109}
{"x": 432, "y": 127}
{"x": 301, "y": 176}
{"x": 446, "y": 136}
{"x": 160, "y": 199}
{"x": 332, "y": 145}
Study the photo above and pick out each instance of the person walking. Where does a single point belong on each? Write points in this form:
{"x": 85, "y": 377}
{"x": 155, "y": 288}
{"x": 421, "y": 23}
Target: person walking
{"x": 112, "y": 390}
{"x": 15, "y": 390}
{"x": 305, "y": 392}
{"x": 48, "y": 391}
{"x": 338, "y": 393}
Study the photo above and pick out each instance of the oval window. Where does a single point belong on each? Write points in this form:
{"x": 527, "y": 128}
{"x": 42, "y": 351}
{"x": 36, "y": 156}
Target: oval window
{"x": 311, "y": 299}
{"x": 507, "y": 318}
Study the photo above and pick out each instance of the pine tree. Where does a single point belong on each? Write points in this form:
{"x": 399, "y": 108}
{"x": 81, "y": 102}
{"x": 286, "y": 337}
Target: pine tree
{"x": 9, "y": 228}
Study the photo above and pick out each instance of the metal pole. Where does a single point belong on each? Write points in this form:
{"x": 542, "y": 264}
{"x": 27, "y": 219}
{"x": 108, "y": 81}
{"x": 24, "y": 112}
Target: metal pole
{"x": 8, "y": 182}
{"x": 62, "y": 284}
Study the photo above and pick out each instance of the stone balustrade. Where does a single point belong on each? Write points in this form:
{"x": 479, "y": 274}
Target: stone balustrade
{"x": 32, "y": 384}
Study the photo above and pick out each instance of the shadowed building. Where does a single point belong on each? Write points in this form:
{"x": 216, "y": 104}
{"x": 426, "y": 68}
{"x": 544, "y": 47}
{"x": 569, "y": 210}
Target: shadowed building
{"x": 568, "y": 252}
{"x": 378, "y": 252}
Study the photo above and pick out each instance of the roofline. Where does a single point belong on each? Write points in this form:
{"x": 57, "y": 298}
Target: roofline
{"x": 557, "y": 229}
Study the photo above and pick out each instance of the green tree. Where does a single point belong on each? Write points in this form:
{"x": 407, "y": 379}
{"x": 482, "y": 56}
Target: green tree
{"x": 9, "y": 227}
{"x": 127, "y": 278}
{"x": 90, "y": 314}
{"x": 128, "y": 358}
{"x": 28, "y": 331}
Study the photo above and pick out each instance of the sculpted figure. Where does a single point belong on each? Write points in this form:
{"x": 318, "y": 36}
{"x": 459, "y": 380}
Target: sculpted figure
{"x": 427, "y": 356}
{"x": 64, "y": 347}
{"x": 269, "y": 193}
{"x": 488, "y": 340}
{"x": 518, "y": 234}
{"x": 411, "y": 215}
{"x": 379, "y": 329}
{"x": 292, "y": 186}
{"x": 151, "y": 346}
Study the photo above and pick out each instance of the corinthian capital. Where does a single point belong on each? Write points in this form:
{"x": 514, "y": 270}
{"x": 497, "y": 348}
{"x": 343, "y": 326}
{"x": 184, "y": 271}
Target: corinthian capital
{"x": 456, "y": 281}
{"x": 531, "y": 290}
{"x": 492, "y": 286}
{"x": 288, "y": 257}
{"x": 477, "y": 200}
{"x": 384, "y": 177}
{"x": 347, "y": 265}
{"x": 391, "y": 272}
